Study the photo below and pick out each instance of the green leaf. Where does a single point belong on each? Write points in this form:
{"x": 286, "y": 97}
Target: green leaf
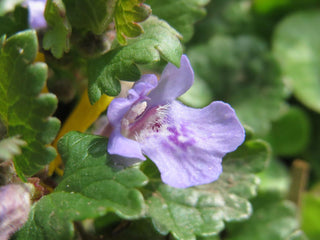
{"x": 8, "y": 6}
{"x": 232, "y": 17}
{"x": 298, "y": 235}
{"x": 57, "y": 37}
{"x": 202, "y": 210}
{"x": 275, "y": 179}
{"x": 134, "y": 230}
{"x": 23, "y": 110}
{"x": 310, "y": 211}
{"x": 296, "y": 44}
{"x": 90, "y": 15}
{"x": 52, "y": 216}
{"x": 158, "y": 40}
{"x": 242, "y": 72}
{"x": 271, "y": 219}
{"x": 180, "y": 14}
{"x": 127, "y": 15}
{"x": 90, "y": 188}
{"x": 12, "y": 23}
{"x": 199, "y": 95}
{"x": 290, "y": 134}
{"x": 87, "y": 172}
{"x": 9, "y": 147}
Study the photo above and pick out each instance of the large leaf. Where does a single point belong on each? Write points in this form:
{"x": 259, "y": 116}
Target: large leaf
{"x": 158, "y": 40}
{"x": 90, "y": 15}
{"x": 241, "y": 72}
{"x": 127, "y": 15}
{"x": 90, "y": 188}
{"x": 202, "y": 210}
{"x": 57, "y": 38}
{"x": 22, "y": 110}
{"x": 296, "y": 44}
{"x": 180, "y": 14}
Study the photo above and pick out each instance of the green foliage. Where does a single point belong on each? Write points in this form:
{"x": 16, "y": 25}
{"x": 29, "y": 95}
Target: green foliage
{"x": 296, "y": 44}
{"x": 90, "y": 15}
{"x": 90, "y": 188}
{"x": 14, "y": 22}
{"x": 290, "y": 133}
{"x": 8, "y": 6}
{"x": 271, "y": 219}
{"x": 9, "y": 147}
{"x": 242, "y": 72}
{"x": 232, "y": 17}
{"x": 275, "y": 179}
{"x": 22, "y": 110}
{"x": 127, "y": 15}
{"x": 199, "y": 95}
{"x": 180, "y": 14}
{"x": 310, "y": 213}
{"x": 57, "y": 38}
{"x": 158, "y": 40}
{"x": 202, "y": 210}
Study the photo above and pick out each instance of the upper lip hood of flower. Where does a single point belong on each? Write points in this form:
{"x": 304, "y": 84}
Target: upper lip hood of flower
{"x": 186, "y": 144}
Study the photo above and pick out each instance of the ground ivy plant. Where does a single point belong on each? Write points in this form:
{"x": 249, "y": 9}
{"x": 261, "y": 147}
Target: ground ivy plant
{"x": 144, "y": 119}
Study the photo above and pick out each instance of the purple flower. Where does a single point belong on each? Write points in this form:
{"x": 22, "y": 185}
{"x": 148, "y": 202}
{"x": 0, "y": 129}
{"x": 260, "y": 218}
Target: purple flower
{"x": 36, "y": 13}
{"x": 14, "y": 208}
{"x": 186, "y": 144}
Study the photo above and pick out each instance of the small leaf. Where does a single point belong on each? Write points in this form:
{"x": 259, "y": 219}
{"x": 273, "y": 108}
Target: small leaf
{"x": 180, "y": 14}
{"x": 23, "y": 110}
{"x": 9, "y": 147}
{"x": 201, "y": 210}
{"x": 127, "y": 15}
{"x": 12, "y": 23}
{"x": 310, "y": 211}
{"x": 271, "y": 219}
{"x": 275, "y": 179}
{"x": 159, "y": 39}
{"x": 8, "y": 6}
{"x": 90, "y": 15}
{"x": 296, "y": 44}
{"x": 57, "y": 38}
{"x": 290, "y": 133}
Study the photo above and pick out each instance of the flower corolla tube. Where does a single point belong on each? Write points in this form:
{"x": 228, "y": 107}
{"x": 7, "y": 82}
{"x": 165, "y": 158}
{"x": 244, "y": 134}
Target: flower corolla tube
{"x": 186, "y": 144}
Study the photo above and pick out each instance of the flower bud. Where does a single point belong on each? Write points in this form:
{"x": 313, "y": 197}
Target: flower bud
{"x": 14, "y": 208}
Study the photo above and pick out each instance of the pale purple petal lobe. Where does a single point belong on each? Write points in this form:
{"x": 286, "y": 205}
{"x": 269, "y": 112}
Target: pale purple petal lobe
{"x": 120, "y": 145}
{"x": 120, "y": 106}
{"x": 189, "y": 150}
{"x": 173, "y": 83}
{"x": 36, "y": 13}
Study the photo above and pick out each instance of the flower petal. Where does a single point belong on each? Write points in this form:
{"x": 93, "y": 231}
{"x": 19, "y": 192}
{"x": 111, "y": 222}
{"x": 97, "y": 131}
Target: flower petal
{"x": 173, "y": 83}
{"x": 120, "y": 106}
{"x": 36, "y": 13}
{"x": 120, "y": 145}
{"x": 189, "y": 150}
